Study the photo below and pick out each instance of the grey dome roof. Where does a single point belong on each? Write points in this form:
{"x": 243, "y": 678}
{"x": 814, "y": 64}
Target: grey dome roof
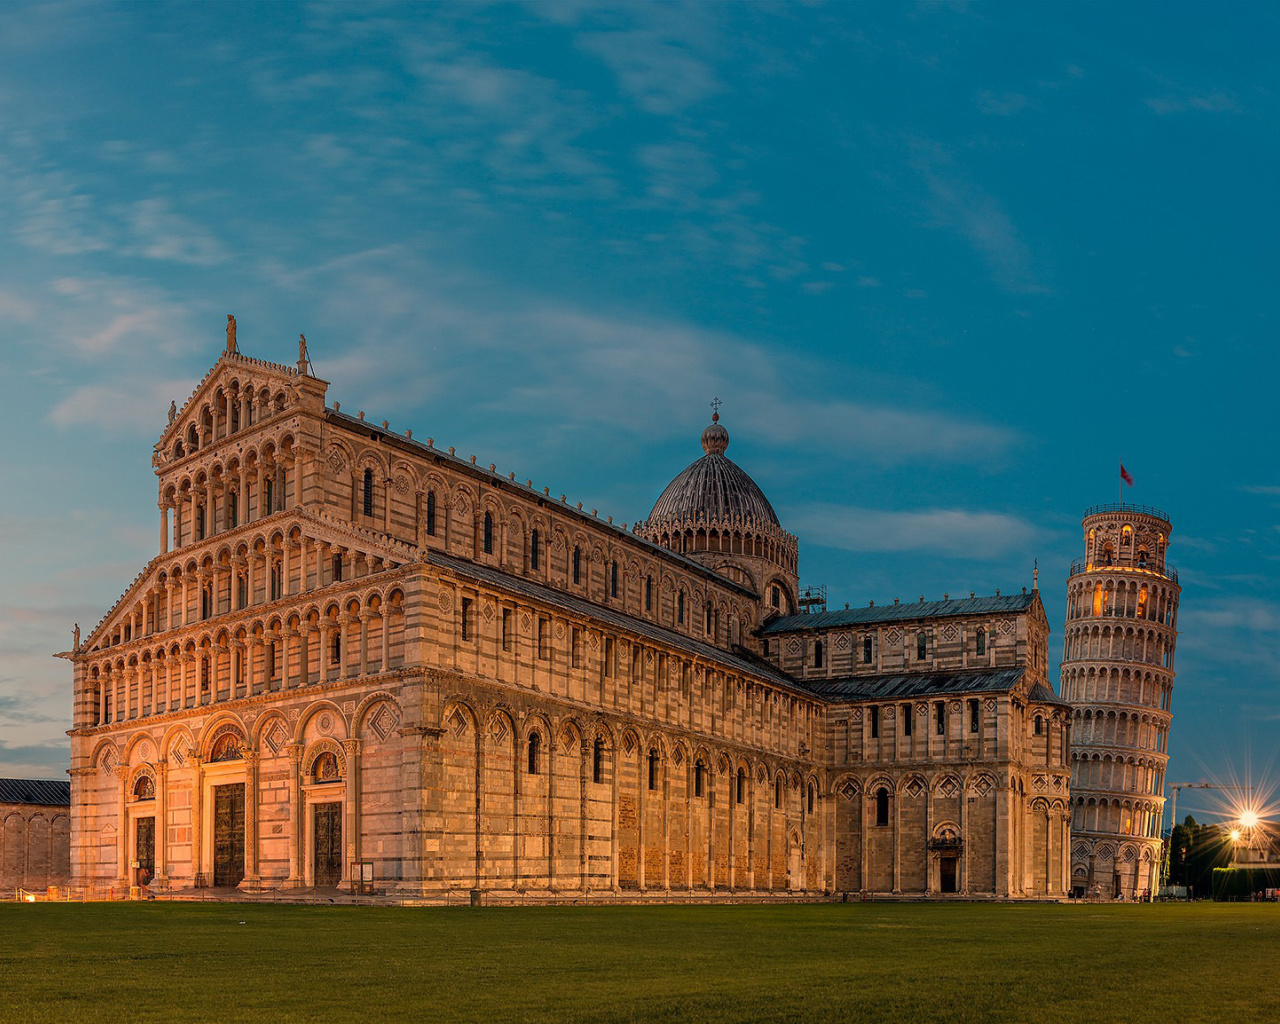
{"x": 714, "y": 487}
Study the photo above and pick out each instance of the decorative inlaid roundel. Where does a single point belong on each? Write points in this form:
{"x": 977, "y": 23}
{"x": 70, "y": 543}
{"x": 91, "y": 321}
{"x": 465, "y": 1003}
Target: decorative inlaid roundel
{"x": 559, "y": 630}
{"x": 144, "y": 751}
{"x": 950, "y": 632}
{"x": 948, "y": 787}
{"x": 446, "y": 600}
{"x": 983, "y": 786}
{"x": 325, "y": 724}
{"x": 955, "y": 707}
{"x": 889, "y": 713}
{"x": 922, "y": 711}
{"x": 914, "y": 788}
{"x": 402, "y": 485}
{"x": 848, "y": 790}
{"x": 793, "y": 646}
{"x": 1006, "y": 625}
{"x": 1040, "y": 782}
{"x": 857, "y": 714}
{"x": 893, "y": 637}
{"x": 842, "y": 640}
{"x": 990, "y": 705}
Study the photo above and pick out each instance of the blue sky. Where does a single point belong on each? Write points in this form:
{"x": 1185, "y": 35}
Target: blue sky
{"x": 945, "y": 265}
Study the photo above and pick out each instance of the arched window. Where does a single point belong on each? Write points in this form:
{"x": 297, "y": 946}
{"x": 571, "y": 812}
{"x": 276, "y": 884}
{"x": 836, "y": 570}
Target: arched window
{"x": 775, "y": 597}
{"x": 653, "y": 769}
{"x": 337, "y": 568}
{"x": 533, "y": 549}
{"x": 144, "y": 788}
{"x": 206, "y": 601}
{"x": 535, "y": 745}
{"x": 817, "y": 654}
{"x": 866, "y": 650}
{"x": 431, "y": 513}
{"x": 577, "y": 564}
{"x": 336, "y": 653}
{"x": 980, "y": 638}
{"x": 648, "y": 593}
{"x": 680, "y": 607}
{"x": 199, "y": 522}
{"x": 811, "y": 798}
{"x": 699, "y": 771}
{"x": 1039, "y": 725}
{"x": 488, "y": 533}
{"x": 922, "y": 646}
{"x": 742, "y": 786}
{"x": 232, "y": 510}
{"x": 268, "y": 504}
{"x": 597, "y": 761}
{"x": 777, "y": 792}
{"x": 882, "y": 807}
{"x": 368, "y": 492}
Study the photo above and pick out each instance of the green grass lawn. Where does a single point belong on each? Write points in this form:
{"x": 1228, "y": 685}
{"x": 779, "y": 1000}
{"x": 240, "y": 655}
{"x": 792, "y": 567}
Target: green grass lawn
{"x": 900, "y": 963}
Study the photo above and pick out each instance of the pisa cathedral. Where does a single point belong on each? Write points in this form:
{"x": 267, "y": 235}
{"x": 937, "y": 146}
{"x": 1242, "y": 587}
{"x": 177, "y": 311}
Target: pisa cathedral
{"x": 361, "y": 661}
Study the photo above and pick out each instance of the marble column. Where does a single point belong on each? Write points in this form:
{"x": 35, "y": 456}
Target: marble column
{"x": 162, "y": 825}
{"x": 252, "y": 878}
{"x": 297, "y": 824}
{"x": 353, "y": 825}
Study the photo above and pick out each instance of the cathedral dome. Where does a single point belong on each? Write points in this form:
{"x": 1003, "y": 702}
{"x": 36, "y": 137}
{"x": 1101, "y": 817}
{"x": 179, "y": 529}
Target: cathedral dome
{"x": 713, "y": 488}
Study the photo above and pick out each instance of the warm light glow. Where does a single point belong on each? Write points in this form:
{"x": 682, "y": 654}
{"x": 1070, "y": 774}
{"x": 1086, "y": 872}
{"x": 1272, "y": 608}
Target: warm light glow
{"x": 1235, "y": 835}
{"x": 1248, "y": 819}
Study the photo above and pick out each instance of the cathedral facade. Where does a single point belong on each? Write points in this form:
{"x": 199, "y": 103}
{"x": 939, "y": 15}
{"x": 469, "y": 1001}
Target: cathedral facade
{"x": 361, "y": 661}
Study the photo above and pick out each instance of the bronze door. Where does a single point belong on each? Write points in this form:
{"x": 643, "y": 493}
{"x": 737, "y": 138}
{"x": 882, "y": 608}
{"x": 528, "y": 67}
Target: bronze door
{"x": 948, "y": 866}
{"x": 145, "y": 850}
{"x": 327, "y": 828}
{"x": 228, "y": 835}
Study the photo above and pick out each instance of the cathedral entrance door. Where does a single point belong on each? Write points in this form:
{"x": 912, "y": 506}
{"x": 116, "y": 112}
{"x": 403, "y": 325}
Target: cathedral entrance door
{"x": 947, "y": 867}
{"x": 145, "y": 850}
{"x": 327, "y": 829}
{"x": 228, "y": 835}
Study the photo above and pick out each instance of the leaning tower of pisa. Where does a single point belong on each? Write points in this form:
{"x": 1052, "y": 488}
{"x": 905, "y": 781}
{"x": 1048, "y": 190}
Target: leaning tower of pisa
{"x": 1117, "y": 673}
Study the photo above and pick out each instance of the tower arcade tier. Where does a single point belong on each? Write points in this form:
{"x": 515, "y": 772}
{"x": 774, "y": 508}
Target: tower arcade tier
{"x": 1117, "y": 673}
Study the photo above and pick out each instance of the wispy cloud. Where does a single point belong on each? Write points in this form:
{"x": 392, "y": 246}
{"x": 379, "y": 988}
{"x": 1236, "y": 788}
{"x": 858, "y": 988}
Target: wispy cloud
{"x": 1206, "y": 103}
{"x": 1002, "y": 104}
{"x": 162, "y": 234}
{"x": 129, "y": 405}
{"x": 955, "y": 533}
{"x": 611, "y": 369}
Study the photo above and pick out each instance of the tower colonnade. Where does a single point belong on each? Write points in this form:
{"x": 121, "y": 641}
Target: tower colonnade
{"x": 1117, "y": 673}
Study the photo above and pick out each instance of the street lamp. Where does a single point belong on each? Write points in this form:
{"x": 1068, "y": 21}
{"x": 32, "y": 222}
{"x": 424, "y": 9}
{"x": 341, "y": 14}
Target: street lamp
{"x": 1173, "y": 818}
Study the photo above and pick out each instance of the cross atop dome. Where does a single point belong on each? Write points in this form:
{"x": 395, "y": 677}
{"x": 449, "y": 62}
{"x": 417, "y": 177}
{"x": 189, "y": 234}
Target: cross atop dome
{"x": 715, "y": 439}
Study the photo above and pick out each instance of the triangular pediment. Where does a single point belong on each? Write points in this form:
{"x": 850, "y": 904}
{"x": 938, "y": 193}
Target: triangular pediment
{"x": 314, "y": 523}
{"x": 232, "y": 378}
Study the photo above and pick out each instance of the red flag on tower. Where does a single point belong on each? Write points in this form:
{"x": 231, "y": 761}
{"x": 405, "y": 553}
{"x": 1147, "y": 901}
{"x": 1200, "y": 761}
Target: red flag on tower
{"x": 1124, "y": 475}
